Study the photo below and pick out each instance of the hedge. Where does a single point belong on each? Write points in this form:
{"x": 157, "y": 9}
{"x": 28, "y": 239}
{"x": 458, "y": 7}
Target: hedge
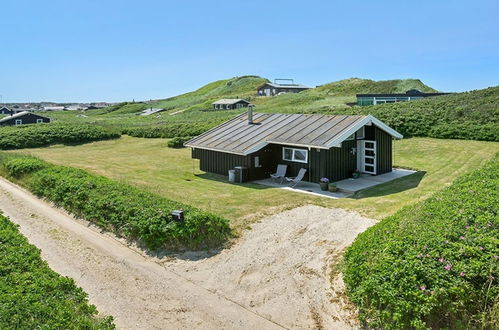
{"x": 434, "y": 264}
{"x": 170, "y": 130}
{"x": 32, "y": 296}
{"x": 31, "y": 136}
{"x": 123, "y": 209}
{"x": 178, "y": 142}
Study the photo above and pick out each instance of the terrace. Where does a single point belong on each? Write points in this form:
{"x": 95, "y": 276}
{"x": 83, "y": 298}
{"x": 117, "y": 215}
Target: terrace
{"x": 346, "y": 187}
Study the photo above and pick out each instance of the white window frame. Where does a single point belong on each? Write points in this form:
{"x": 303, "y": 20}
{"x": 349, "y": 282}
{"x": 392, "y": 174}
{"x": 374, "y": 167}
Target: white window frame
{"x": 358, "y": 136}
{"x": 293, "y": 158}
{"x": 39, "y": 120}
{"x": 18, "y": 122}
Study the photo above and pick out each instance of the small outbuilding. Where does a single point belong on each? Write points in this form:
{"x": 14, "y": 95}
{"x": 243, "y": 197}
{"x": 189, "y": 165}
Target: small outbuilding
{"x": 228, "y": 104}
{"x": 23, "y": 118}
{"x": 326, "y": 146}
{"x": 275, "y": 88}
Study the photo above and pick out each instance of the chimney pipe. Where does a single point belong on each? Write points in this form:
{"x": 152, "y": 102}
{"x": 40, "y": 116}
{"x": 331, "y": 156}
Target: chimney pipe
{"x": 250, "y": 114}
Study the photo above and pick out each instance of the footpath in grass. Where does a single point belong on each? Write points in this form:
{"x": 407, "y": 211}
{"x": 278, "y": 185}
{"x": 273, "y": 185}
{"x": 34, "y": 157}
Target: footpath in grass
{"x": 434, "y": 264}
{"x": 32, "y": 296}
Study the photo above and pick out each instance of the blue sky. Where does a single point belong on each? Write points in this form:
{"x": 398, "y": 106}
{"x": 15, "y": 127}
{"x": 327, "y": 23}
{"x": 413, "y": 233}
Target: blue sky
{"x": 121, "y": 50}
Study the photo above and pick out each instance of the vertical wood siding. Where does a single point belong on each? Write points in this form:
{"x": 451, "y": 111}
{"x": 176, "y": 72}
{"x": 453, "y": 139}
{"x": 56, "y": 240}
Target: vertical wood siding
{"x": 383, "y": 151}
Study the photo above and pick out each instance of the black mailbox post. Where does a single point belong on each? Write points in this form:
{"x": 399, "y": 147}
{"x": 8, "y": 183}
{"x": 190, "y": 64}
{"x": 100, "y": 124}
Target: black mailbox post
{"x": 178, "y": 215}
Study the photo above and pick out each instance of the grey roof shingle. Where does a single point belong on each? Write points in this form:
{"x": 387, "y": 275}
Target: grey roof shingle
{"x": 306, "y": 130}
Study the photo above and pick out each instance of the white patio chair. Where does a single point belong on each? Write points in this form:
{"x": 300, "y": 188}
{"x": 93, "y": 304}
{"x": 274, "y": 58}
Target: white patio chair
{"x": 280, "y": 174}
{"x": 293, "y": 182}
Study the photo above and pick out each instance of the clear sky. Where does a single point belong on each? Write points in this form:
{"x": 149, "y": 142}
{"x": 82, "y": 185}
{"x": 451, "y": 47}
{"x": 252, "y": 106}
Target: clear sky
{"x": 107, "y": 50}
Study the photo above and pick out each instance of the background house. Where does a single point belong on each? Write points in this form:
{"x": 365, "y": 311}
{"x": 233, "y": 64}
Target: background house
{"x": 285, "y": 86}
{"x": 227, "y": 104}
{"x": 6, "y": 111}
{"x": 23, "y": 118}
{"x": 410, "y": 95}
{"x": 327, "y": 146}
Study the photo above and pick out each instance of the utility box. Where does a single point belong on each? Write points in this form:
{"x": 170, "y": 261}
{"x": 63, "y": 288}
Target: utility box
{"x": 241, "y": 174}
{"x": 178, "y": 215}
{"x": 232, "y": 176}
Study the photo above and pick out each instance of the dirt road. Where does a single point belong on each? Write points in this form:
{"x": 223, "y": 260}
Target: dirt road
{"x": 276, "y": 276}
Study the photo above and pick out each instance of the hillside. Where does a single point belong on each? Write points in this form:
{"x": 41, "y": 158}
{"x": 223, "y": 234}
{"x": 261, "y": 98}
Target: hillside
{"x": 469, "y": 115}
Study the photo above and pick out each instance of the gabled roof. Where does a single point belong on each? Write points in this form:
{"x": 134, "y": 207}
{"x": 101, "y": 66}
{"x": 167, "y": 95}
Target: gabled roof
{"x": 291, "y": 86}
{"x": 19, "y": 114}
{"x": 236, "y": 136}
{"x": 229, "y": 101}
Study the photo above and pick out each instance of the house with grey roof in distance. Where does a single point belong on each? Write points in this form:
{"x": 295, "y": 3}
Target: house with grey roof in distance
{"x": 324, "y": 145}
{"x": 280, "y": 86}
{"x": 23, "y": 118}
{"x": 228, "y": 104}
{"x": 5, "y": 111}
{"x": 410, "y": 95}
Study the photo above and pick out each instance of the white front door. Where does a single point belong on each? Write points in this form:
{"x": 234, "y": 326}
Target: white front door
{"x": 369, "y": 157}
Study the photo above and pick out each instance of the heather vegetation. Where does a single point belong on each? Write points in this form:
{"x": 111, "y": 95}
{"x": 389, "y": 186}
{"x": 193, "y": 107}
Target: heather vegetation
{"x": 29, "y": 136}
{"x": 34, "y": 296}
{"x": 471, "y": 115}
{"x": 123, "y": 209}
{"x": 434, "y": 264}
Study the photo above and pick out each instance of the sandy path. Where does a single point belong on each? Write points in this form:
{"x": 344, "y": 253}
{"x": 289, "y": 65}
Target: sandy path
{"x": 277, "y": 275}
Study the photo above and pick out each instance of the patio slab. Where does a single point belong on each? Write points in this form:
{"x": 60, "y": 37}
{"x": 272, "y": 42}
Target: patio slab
{"x": 366, "y": 181}
{"x": 347, "y": 187}
{"x": 304, "y": 187}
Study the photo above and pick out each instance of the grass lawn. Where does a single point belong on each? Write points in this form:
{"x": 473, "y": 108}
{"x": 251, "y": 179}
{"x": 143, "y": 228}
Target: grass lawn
{"x": 172, "y": 173}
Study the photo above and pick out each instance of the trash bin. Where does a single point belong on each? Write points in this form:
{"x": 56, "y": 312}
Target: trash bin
{"x": 241, "y": 173}
{"x": 232, "y": 176}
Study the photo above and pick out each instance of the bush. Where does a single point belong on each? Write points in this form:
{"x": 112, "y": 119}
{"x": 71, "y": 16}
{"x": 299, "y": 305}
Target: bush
{"x": 18, "y": 166}
{"x": 170, "y": 130}
{"x": 32, "y": 296}
{"x": 178, "y": 142}
{"x": 434, "y": 264}
{"x": 31, "y": 136}
{"x": 121, "y": 208}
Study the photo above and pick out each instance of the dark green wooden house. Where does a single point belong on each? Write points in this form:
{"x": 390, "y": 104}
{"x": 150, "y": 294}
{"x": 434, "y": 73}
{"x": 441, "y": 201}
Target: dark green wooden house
{"x": 327, "y": 146}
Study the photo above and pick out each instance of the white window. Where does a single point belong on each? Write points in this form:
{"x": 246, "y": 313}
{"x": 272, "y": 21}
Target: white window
{"x": 228, "y": 106}
{"x": 19, "y": 122}
{"x": 295, "y": 155}
{"x": 38, "y": 121}
{"x": 257, "y": 161}
{"x": 360, "y": 133}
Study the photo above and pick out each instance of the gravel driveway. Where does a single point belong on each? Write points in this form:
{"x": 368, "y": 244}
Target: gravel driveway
{"x": 278, "y": 275}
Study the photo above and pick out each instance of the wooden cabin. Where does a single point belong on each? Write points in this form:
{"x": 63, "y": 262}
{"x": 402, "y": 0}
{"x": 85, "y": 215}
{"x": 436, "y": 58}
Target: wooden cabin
{"x": 23, "y": 118}
{"x": 228, "y": 104}
{"x": 275, "y": 88}
{"x": 325, "y": 145}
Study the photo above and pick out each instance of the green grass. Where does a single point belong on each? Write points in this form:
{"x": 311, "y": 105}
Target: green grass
{"x": 171, "y": 173}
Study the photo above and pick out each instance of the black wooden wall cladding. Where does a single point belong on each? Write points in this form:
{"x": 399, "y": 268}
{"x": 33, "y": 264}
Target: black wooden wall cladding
{"x": 335, "y": 163}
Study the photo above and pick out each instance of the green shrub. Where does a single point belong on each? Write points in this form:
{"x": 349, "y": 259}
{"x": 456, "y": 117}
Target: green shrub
{"x": 18, "y": 166}
{"x": 31, "y": 136}
{"x": 123, "y": 209}
{"x": 32, "y": 296}
{"x": 170, "y": 130}
{"x": 178, "y": 142}
{"x": 434, "y": 264}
